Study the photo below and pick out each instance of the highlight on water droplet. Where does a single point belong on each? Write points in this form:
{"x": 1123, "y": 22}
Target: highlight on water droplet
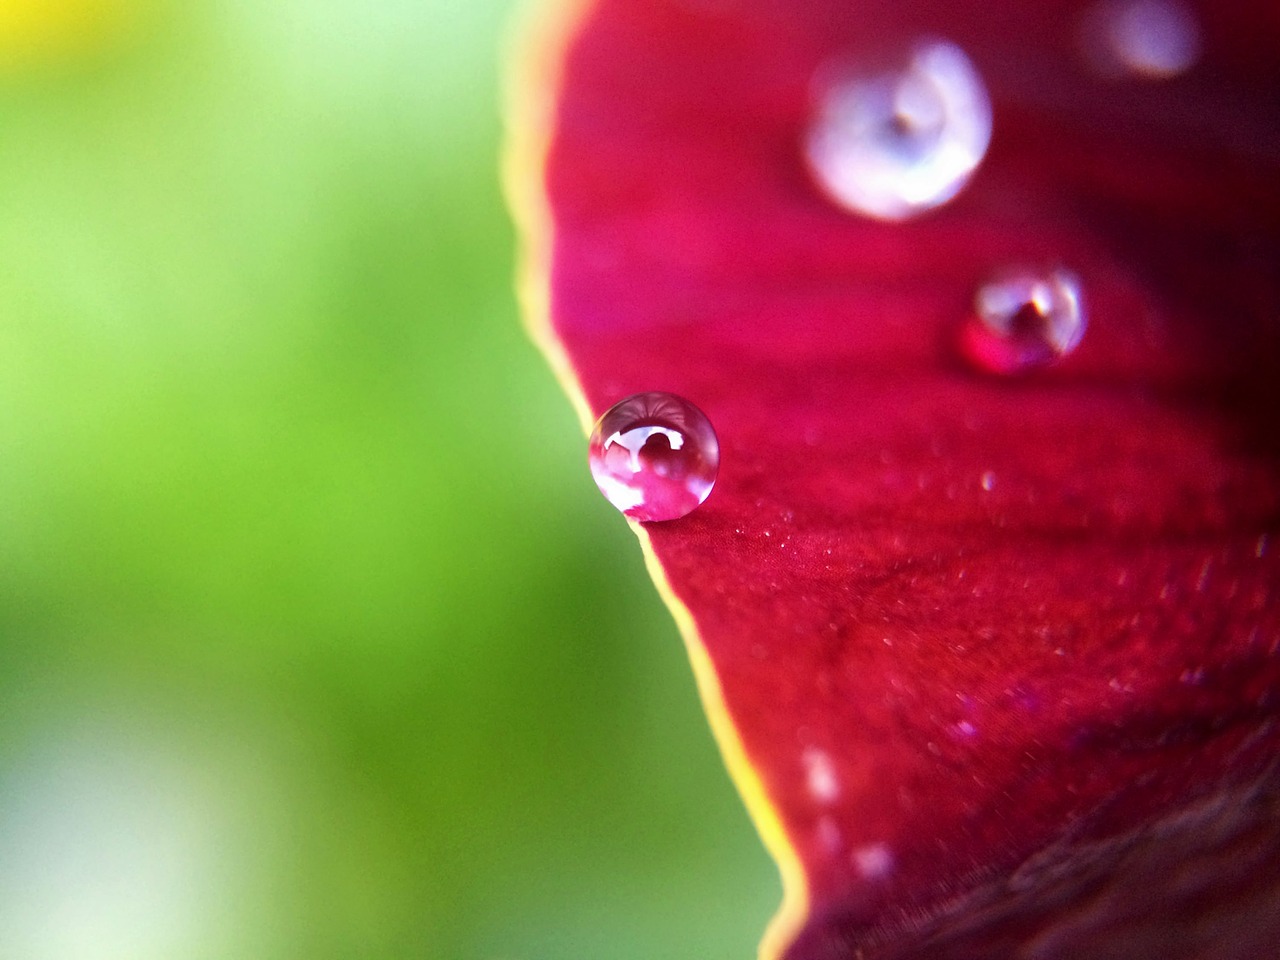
{"x": 900, "y": 135}
{"x": 1147, "y": 39}
{"x": 654, "y": 456}
{"x": 1023, "y": 320}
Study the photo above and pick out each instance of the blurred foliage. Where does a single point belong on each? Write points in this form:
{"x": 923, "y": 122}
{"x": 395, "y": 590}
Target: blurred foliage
{"x": 34, "y": 33}
{"x": 315, "y": 638}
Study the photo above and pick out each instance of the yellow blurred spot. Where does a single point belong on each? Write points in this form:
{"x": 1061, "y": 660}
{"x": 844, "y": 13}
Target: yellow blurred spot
{"x": 38, "y": 32}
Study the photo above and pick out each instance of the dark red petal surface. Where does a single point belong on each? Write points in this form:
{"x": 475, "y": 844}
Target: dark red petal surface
{"x": 1000, "y": 656}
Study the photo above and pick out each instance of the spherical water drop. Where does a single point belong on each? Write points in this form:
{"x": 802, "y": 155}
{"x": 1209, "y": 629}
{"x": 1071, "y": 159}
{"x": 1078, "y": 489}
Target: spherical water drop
{"x": 896, "y": 140}
{"x": 654, "y": 456}
{"x": 1148, "y": 39}
{"x": 1023, "y": 320}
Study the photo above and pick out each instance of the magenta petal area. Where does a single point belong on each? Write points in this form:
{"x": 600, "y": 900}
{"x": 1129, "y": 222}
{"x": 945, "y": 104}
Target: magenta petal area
{"x": 1000, "y": 653}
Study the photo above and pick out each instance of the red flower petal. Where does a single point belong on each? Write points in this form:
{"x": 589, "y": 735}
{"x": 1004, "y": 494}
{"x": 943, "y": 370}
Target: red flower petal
{"x": 994, "y": 662}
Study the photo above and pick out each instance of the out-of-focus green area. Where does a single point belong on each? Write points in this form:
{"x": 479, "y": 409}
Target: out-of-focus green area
{"x": 315, "y": 638}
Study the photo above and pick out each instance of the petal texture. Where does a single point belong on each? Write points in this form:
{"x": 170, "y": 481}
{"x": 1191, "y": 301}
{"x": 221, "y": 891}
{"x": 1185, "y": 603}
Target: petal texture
{"x": 994, "y": 660}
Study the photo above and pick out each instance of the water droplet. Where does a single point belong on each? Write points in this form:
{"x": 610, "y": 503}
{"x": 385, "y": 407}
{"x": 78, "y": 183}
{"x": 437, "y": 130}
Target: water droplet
{"x": 820, "y": 775}
{"x": 654, "y": 456}
{"x": 1022, "y": 320}
{"x": 875, "y": 860}
{"x": 903, "y": 136}
{"x": 828, "y": 835}
{"x": 1148, "y": 39}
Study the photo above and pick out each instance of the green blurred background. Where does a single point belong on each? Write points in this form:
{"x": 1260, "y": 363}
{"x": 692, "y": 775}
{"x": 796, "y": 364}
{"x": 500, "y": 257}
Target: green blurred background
{"x": 315, "y": 638}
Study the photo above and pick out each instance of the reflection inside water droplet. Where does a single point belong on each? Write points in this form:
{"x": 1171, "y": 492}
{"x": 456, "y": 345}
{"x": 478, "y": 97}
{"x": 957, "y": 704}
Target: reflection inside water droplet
{"x": 898, "y": 138}
{"x": 1023, "y": 320}
{"x": 654, "y": 456}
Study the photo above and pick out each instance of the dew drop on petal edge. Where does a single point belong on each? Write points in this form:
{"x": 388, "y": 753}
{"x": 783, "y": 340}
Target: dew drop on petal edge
{"x": 1023, "y": 320}
{"x": 654, "y": 456}
{"x": 901, "y": 135}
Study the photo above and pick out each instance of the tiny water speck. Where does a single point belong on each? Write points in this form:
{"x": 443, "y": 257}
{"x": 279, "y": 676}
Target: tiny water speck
{"x": 894, "y": 138}
{"x": 1023, "y": 320}
{"x": 654, "y": 456}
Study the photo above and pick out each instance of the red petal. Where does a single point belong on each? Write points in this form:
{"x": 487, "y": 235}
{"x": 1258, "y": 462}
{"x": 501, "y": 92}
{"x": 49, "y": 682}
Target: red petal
{"x": 994, "y": 662}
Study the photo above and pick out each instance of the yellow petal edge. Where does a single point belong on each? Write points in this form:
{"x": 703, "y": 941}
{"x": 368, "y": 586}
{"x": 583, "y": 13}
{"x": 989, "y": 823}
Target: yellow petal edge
{"x": 540, "y": 40}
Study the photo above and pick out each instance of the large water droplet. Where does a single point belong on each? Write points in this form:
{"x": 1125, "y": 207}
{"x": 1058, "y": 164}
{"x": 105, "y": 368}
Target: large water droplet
{"x": 901, "y": 137}
{"x": 654, "y": 456}
{"x": 1024, "y": 319}
{"x": 1150, "y": 39}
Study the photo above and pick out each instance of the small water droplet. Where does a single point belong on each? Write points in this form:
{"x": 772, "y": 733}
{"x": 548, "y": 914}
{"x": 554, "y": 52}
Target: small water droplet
{"x": 874, "y": 860}
{"x": 654, "y": 456}
{"x": 820, "y": 775}
{"x": 988, "y": 481}
{"x": 902, "y": 135}
{"x": 828, "y": 835}
{"x": 1204, "y": 574}
{"x": 1024, "y": 319}
{"x": 1147, "y": 39}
